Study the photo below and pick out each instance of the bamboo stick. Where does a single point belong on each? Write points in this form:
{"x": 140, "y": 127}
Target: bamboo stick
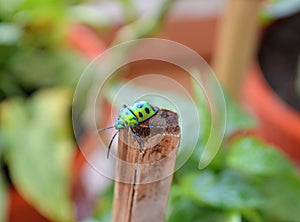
{"x": 144, "y": 176}
{"x": 236, "y": 43}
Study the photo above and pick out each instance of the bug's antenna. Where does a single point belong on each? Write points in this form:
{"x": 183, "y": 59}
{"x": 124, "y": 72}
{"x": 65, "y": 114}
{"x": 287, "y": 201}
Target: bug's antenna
{"x": 110, "y": 143}
{"x": 105, "y": 128}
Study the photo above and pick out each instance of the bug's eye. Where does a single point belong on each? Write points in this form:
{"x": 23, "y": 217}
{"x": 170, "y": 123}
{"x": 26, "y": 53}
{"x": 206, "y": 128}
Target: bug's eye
{"x": 126, "y": 123}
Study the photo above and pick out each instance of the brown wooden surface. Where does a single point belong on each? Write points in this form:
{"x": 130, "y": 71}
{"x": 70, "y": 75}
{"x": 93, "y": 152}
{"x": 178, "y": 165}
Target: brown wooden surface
{"x": 145, "y": 175}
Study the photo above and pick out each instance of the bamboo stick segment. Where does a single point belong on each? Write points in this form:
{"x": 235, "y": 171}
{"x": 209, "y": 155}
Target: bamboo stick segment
{"x": 144, "y": 175}
{"x": 236, "y": 43}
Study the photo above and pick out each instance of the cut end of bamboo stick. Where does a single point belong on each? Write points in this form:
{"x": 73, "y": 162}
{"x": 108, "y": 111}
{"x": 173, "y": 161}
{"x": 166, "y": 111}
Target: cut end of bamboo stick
{"x": 157, "y": 141}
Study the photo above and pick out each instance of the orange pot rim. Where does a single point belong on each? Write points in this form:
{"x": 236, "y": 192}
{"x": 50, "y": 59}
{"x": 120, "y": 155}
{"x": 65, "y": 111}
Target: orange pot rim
{"x": 268, "y": 105}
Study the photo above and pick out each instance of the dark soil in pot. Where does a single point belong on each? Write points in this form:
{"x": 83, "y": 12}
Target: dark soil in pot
{"x": 278, "y": 57}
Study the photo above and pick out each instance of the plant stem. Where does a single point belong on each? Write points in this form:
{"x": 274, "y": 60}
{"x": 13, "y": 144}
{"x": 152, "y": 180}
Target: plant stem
{"x": 129, "y": 10}
{"x": 144, "y": 27}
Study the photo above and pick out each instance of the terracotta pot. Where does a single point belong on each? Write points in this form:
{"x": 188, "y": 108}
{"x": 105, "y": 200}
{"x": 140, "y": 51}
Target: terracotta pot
{"x": 21, "y": 210}
{"x": 279, "y": 123}
{"x": 85, "y": 41}
{"x": 198, "y": 34}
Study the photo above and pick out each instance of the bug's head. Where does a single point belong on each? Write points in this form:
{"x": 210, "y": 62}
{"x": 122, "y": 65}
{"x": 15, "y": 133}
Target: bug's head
{"x": 119, "y": 124}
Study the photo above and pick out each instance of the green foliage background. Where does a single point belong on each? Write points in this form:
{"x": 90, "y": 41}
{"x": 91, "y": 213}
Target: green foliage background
{"x": 247, "y": 181}
{"x": 38, "y": 73}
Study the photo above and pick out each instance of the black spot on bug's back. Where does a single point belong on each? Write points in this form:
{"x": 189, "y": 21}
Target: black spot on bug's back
{"x": 147, "y": 110}
{"x": 140, "y": 115}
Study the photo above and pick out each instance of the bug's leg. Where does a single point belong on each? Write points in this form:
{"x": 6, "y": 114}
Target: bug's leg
{"x": 110, "y": 143}
{"x": 105, "y": 128}
{"x": 138, "y": 138}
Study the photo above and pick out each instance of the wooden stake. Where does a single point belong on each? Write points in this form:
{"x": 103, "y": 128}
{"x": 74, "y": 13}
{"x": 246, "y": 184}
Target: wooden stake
{"x": 144, "y": 176}
{"x": 236, "y": 43}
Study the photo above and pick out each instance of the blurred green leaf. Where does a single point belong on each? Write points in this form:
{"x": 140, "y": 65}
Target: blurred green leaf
{"x": 90, "y": 15}
{"x": 144, "y": 27}
{"x": 282, "y": 198}
{"x": 252, "y": 156}
{"x": 39, "y": 141}
{"x": 103, "y": 207}
{"x": 225, "y": 190}
{"x": 54, "y": 66}
{"x": 3, "y": 199}
{"x": 33, "y": 49}
{"x": 130, "y": 10}
{"x": 10, "y": 33}
{"x": 203, "y": 110}
{"x": 187, "y": 210}
{"x": 236, "y": 118}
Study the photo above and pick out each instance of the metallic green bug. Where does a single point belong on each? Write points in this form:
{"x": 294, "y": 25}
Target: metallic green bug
{"x": 132, "y": 116}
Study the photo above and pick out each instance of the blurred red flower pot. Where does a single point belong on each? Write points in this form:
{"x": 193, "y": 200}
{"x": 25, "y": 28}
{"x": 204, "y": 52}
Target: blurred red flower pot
{"x": 86, "y": 41}
{"x": 269, "y": 88}
{"x": 21, "y": 210}
{"x": 279, "y": 123}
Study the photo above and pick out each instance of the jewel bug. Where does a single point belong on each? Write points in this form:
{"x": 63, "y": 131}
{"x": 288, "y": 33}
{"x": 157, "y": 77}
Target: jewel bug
{"x": 130, "y": 117}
